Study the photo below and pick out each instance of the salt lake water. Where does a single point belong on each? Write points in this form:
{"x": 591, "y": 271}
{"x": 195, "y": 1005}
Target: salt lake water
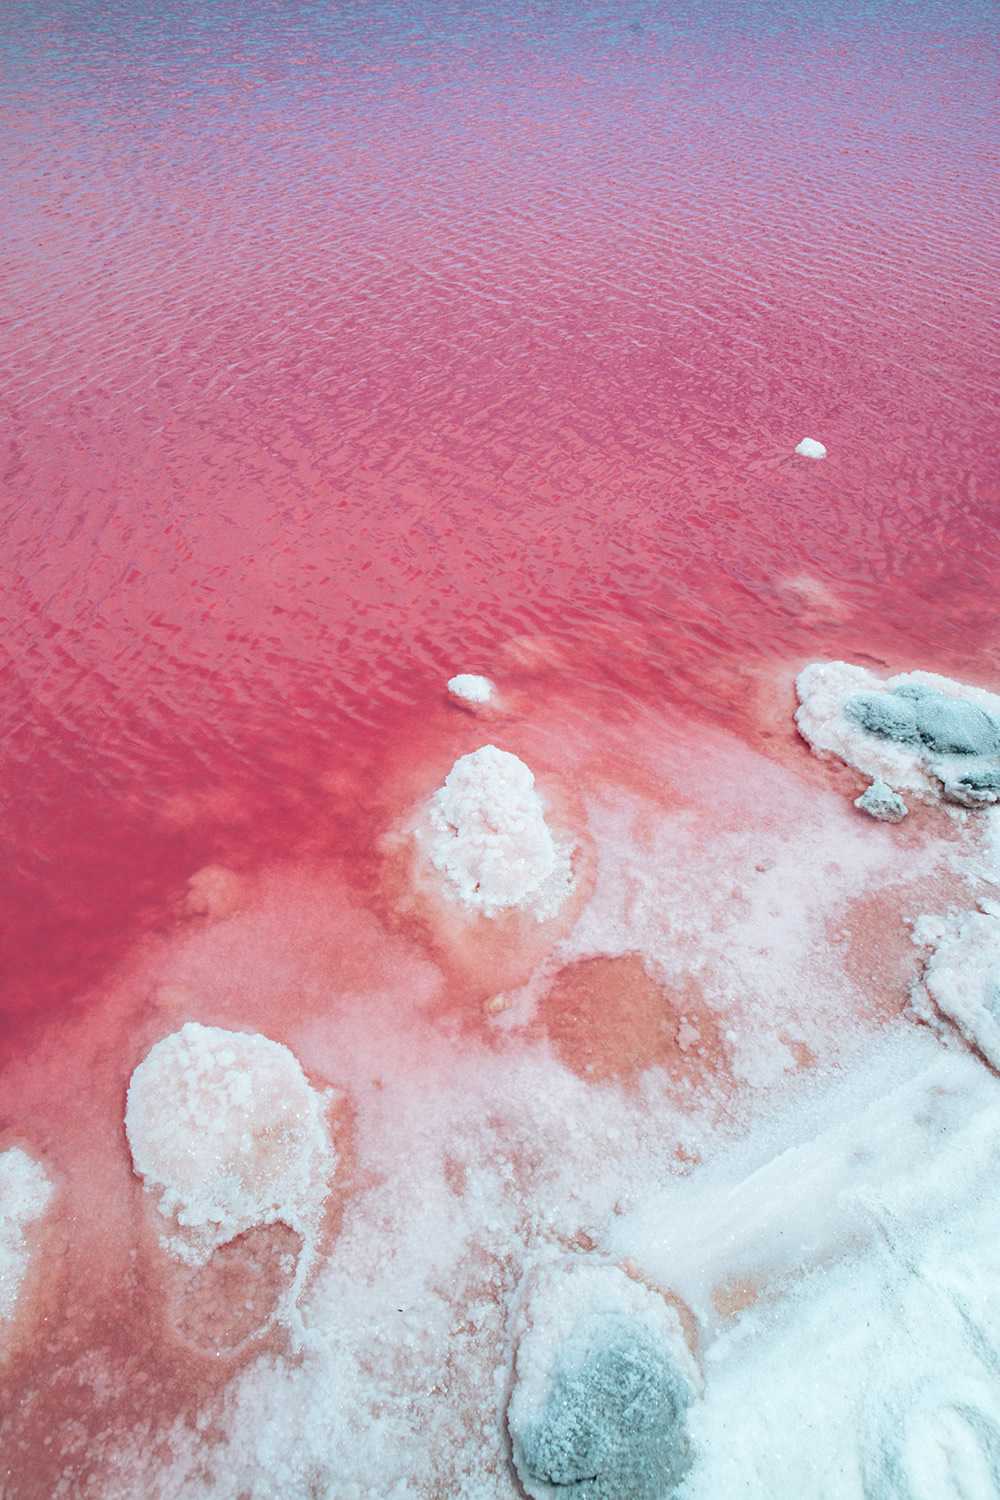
{"x": 346, "y": 348}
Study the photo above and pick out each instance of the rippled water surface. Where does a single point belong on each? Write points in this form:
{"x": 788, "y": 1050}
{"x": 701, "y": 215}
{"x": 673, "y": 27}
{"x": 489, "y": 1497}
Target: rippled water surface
{"x": 347, "y": 346}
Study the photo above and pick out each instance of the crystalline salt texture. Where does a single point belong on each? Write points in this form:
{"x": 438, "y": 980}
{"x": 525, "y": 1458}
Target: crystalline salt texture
{"x": 25, "y": 1191}
{"x": 470, "y": 688}
{"x": 917, "y": 731}
{"x": 226, "y": 1131}
{"x": 881, "y": 802}
{"x": 491, "y": 841}
{"x": 810, "y": 448}
{"x": 603, "y": 1383}
{"x": 962, "y": 977}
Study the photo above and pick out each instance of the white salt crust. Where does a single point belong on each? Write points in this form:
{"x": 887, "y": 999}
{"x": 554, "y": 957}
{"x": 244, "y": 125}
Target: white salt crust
{"x": 25, "y": 1191}
{"x": 810, "y": 448}
{"x": 962, "y": 975}
{"x": 470, "y": 688}
{"x": 227, "y": 1134}
{"x": 824, "y": 688}
{"x": 491, "y": 841}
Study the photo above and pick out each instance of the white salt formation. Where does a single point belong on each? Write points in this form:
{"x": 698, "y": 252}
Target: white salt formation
{"x": 875, "y": 1376}
{"x": 25, "y": 1191}
{"x": 603, "y": 1382}
{"x": 810, "y": 448}
{"x": 471, "y": 689}
{"x": 962, "y": 976}
{"x": 881, "y": 802}
{"x": 227, "y": 1134}
{"x": 491, "y": 841}
{"x": 917, "y": 731}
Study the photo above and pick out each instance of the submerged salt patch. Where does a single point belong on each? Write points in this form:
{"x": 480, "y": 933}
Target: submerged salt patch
{"x": 471, "y": 688}
{"x": 491, "y": 841}
{"x": 810, "y": 448}
{"x": 917, "y": 731}
{"x": 603, "y": 1381}
{"x": 25, "y": 1191}
{"x": 227, "y": 1134}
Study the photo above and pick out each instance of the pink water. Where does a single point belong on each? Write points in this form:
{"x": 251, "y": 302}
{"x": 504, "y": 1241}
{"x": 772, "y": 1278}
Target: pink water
{"x": 342, "y": 353}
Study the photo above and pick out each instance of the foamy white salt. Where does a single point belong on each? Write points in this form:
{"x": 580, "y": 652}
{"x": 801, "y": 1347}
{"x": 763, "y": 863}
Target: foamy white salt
{"x": 491, "y": 841}
{"x": 916, "y": 731}
{"x": 227, "y": 1134}
{"x": 470, "y": 688}
{"x": 25, "y": 1191}
{"x": 810, "y": 448}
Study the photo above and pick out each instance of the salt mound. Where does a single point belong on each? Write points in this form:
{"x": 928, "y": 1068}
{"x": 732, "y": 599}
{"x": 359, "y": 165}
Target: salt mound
{"x": 25, "y": 1191}
{"x": 470, "y": 688}
{"x": 916, "y": 731}
{"x": 491, "y": 841}
{"x": 226, "y": 1131}
{"x": 603, "y": 1382}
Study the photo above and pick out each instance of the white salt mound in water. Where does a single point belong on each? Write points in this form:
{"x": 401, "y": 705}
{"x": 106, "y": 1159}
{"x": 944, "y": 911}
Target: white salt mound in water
{"x": 227, "y": 1133}
{"x": 917, "y": 731}
{"x": 810, "y": 448}
{"x": 603, "y": 1381}
{"x": 470, "y": 688}
{"x": 25, "y": 1191}
{"x": 491, "y": 841}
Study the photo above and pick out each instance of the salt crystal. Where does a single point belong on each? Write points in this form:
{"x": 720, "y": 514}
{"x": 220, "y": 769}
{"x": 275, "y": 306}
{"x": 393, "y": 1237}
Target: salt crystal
{"x": 810, "y": 448}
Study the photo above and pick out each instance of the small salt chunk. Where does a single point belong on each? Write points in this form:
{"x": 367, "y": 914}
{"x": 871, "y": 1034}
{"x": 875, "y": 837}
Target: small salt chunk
{"x": 470, "y": 688}
{"x": 881, "y": 802}
{"x": 810, "y": 448}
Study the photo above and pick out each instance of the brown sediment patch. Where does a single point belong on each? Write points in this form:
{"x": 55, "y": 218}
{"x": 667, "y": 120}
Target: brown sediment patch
{"x": 238, "y": 1293}
{"x": 875, "y": 934}
{"x": 737, "y": 1294}
{"x": 608, "y": 1020}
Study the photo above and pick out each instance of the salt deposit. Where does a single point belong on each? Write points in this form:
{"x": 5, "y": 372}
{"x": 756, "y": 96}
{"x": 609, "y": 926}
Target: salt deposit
{"x": 25, "y": 1191}
{"x": 881, "y": 802}
{"x": 491, "y": 840}
{"x": 961, "y": 980}
{"x": 470, "y": 688}
{"x": 227, "y": 1134}
{"x": 875, "y": 1374}
{"x": 603, "y": 1381}
{"x": 810, "y": 448}
{"x": 916, "y": 731}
